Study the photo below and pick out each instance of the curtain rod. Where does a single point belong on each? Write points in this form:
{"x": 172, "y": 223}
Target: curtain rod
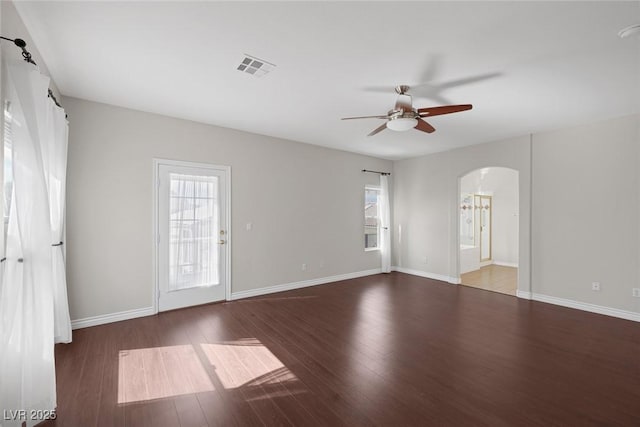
{"x": 53, "y": 98}
{"x": 381, "y": 173}
{"x": 22, "y": 45}
{"x": 27, "y": 57}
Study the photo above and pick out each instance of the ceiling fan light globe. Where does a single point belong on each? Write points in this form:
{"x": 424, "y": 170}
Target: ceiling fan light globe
{"x": 402, "y": 123}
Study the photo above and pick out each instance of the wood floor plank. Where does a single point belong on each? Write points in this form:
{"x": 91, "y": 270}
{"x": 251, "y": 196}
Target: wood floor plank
{"x": 312, "y": 376}
{"x": 142, "y": 405}
{"x": 198, "y": 408}
{"x": 227, "y": 407}
{"x": 237, "y": 378}
{"x": 110, "y": 412}
{"x": 86, "y": 407}
{"x": 388, "y": 349}
{"x": 291, "y": 394}
{"x": 398, "y": 382}
{"x": 399, "y": 397}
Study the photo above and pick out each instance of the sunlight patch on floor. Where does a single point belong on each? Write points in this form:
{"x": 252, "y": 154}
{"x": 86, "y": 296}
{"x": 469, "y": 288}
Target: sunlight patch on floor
{"x": 246, "y": 362}
{"x": 160, "y": 372}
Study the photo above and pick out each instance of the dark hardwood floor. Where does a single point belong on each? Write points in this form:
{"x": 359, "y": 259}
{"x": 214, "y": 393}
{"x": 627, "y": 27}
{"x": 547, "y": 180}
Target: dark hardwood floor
{"x": 388, "y": 349}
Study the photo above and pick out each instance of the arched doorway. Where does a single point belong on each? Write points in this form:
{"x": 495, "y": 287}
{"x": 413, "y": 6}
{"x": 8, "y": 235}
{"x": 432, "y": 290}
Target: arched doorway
{"x": 488, "y": 228}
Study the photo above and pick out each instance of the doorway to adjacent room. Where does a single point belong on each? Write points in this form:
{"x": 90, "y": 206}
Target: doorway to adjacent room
{"x": 488, "y": 226}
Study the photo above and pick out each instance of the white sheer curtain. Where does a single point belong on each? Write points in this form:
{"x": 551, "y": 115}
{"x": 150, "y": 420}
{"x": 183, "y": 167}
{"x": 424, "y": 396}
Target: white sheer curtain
{"x": 195, "y": 227}
{"x": 56, "y": 171}
{"x": 33, "y": 305}
{"x": 385, "y": 226}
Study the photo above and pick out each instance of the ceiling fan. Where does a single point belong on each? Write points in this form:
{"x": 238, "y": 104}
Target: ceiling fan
{"x": 404, "y": 116}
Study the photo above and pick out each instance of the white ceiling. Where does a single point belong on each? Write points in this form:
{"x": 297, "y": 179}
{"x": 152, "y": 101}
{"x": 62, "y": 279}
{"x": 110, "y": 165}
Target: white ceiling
{"x": 532, "y": 66}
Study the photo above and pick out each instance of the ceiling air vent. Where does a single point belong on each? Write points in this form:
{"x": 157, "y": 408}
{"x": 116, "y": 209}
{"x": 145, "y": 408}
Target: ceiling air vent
{"x": 255, "y": 66}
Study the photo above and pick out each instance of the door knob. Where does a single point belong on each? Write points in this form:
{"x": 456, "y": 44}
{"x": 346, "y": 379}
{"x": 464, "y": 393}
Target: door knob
{"x": 222, "y": 242}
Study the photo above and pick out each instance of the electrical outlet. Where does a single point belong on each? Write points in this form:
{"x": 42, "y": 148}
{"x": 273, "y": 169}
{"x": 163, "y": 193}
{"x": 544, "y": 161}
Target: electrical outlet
{"x": 635, "y": 292}
{"x": 595, "y": 286}
{"x": 304, "y": 267}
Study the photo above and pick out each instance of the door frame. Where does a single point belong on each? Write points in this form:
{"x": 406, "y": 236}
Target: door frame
{"x": 484, "y": 196}
{"x": 157, "y": 162}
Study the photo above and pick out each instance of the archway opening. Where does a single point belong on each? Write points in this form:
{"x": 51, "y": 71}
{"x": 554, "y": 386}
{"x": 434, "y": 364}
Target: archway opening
{"x": 488, "y": 229}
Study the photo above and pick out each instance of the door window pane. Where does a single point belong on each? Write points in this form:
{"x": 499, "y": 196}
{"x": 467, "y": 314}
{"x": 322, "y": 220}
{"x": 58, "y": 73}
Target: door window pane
{"x": 194, "y": 227}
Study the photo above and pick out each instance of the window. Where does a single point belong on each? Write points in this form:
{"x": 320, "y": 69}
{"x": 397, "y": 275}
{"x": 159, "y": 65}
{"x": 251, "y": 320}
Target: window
{"x": 7, "y": 178}
{"x": 371, "y": 217}
{"x": 194, "y": 231}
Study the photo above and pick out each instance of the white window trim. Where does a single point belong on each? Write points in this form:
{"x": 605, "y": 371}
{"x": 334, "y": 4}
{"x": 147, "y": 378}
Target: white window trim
{"x": 378, "y": 189}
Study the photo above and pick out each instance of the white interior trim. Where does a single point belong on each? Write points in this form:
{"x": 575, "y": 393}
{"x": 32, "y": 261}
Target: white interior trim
{"x": 592, "y": 308}
{"x": 150, "y": 311}
{"x": 599, "y": 309}
{"x": 530, "y": 266}
{"x": 441, "y": 277}
{"x": 302, "y": 284}
{"x": 456, "y": 230}
{"x": 112, "y": 317}
{"x": 506, "y": 264}
{"x": 155, "y": 181}
{"x": 155, "y": 200}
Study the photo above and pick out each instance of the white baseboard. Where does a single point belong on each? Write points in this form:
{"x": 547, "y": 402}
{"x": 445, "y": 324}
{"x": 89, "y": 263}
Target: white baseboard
{"x": 607, "y": 311}
{"x": 592, "y": 308}
{"x": 112, "y": 317}
{"x": 302, "y": 284}
{"x": 506, "y": 264}
{"x": 441, "y": 277}
{"x": 148, "y": 311}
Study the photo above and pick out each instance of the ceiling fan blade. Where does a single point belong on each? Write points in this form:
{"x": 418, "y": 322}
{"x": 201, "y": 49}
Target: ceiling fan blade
{"x": 432, "y": 69}
{"x": 446, "y": 109}
{"x": 424, "y": 126}
{"x": 430, "y": 93}
{"x": 382, "y": 89}
{"x": 467, "y": 80}
{"x": 378, "y": 129}
{"x": 364, "y": 117}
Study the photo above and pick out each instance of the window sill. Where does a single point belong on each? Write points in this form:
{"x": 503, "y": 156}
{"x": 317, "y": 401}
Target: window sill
{"x": 371, "y": 249}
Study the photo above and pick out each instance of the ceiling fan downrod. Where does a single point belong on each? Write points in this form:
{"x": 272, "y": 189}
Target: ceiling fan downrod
{"x": 402, "y": 89}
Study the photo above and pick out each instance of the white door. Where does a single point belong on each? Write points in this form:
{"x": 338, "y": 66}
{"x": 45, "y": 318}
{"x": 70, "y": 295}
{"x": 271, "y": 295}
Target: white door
{"x": 192, "y": 234}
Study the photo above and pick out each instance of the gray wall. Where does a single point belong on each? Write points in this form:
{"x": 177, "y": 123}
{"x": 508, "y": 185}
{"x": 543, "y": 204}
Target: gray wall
{"x": 426, "y": 192}
{"x": 584, "y": 210}
{"x": 305, "y": 203}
